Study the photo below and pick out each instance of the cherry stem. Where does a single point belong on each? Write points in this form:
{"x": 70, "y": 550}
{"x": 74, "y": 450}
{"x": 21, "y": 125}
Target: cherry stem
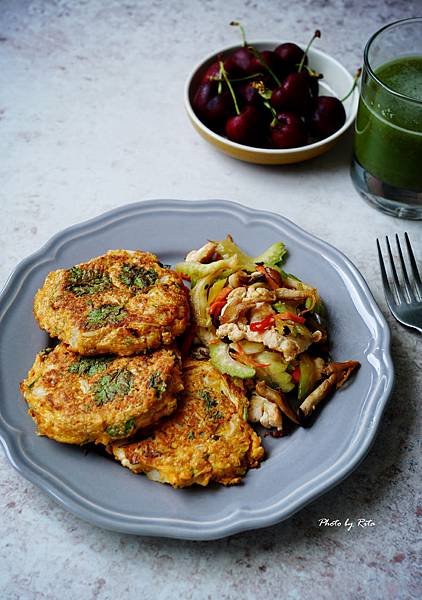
{"x": 317, "y": 34}
{"x": 355, "y": 82}
{"x": 242, "y": 31}
{"x": 313, "y": 73}
{"x": 247, "y": 77}
{"x": 264, "y": 64}
{"x": 265, "y": 95}
{"x": 223, "y": 73}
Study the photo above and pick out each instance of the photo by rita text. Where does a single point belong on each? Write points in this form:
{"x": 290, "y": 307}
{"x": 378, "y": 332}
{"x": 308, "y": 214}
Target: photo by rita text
{"x": 348, "y": 523}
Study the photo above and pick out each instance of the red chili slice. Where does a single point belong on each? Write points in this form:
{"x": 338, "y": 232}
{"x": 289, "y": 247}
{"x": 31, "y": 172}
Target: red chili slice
{"x": 263, "y": 325}
{"x": 296, "y": 375}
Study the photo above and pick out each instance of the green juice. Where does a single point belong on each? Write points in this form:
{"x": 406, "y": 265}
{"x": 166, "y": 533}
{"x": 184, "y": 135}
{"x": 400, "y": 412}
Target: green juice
{"x": 388, "y": 138}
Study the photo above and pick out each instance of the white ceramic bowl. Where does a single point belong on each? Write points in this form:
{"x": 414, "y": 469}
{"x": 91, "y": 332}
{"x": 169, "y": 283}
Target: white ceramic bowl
{"x": 337, "y": 81}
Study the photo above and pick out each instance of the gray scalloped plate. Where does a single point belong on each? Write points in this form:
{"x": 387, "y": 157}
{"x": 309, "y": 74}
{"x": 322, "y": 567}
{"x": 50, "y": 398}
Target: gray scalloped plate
{"x": 298, "y": 468}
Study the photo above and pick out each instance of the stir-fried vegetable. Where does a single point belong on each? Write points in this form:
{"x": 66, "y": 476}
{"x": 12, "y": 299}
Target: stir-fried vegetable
{"x": 258, "y": 323}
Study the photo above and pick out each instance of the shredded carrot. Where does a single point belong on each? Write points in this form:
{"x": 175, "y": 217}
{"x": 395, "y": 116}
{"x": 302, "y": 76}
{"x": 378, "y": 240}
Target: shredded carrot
{"x": 289, "y": 316}
{"x": 247, "y": 359}
{"x": 219, "y": 302}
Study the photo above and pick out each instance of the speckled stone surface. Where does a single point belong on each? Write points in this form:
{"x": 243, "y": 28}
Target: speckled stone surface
{"x": 91, "y": 117}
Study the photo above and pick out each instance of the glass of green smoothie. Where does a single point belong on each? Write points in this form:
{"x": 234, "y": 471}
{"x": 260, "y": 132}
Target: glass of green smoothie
{"x": 387, "y": 160}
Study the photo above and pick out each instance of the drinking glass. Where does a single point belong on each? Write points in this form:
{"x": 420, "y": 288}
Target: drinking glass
{"x": 387, "y": 160}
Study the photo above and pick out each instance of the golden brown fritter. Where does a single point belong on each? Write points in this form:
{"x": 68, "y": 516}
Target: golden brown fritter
{"x": 206, "y": 439}
{"x": 76, "y": 400}
{"x": 122, "y": 302}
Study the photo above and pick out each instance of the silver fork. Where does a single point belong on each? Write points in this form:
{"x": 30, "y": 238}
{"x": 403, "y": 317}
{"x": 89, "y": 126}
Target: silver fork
{"x": 403, "y": 294}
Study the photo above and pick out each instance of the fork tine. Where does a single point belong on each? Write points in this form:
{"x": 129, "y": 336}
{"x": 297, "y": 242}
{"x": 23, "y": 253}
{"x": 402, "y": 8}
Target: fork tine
{"x": 407, "y": 285}
{"x": 394, "y": 272}
{"x": 387, "y": 289}
{"x": 414, "y": 267}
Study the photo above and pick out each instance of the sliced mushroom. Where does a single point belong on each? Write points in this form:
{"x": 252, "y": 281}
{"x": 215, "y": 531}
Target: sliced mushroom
{"x": 203, "y": 254}
{"x": 233, "y": 310}
{"x": 241, "y": 278}
{"x": 314, "y": 398}
{"x": 342, "y": 370}
{"x": 317, "y": 336}
{"x": 277, "y": 397}
{"x": 272, "y": 276}
{"x": 289, "y": 294}
{"x": 338, "y": 375}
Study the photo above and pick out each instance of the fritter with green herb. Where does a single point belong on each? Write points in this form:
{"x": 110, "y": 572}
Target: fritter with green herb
{"x": 79, "y": 399}
{"x": 122, "y": 302}
{"x": 206, "y": 439}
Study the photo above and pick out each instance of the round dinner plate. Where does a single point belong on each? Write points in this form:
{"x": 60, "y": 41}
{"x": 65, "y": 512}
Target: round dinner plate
{"x": 297, "y": 469}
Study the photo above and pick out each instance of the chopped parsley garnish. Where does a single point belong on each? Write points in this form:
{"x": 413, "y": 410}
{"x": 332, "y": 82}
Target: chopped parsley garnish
{"x": 157, "y": 383}
{"x": 46, "y": 352}
{"x": 210, "y": 405}
{"x": 138, "y": 277}
{"x": 90, "y": 365}
{"x": 114, "y": 384}
{"x": 31, "y": 385}
{"x": 208, "y": 399}
{"x": 87, "y": 281}
{"x": 191, "y": 435}
{"x": 108, "y": 314}
{"x": 121, "y": 430}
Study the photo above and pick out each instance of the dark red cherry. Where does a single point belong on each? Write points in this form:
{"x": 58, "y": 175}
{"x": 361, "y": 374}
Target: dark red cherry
{"x": 212, "y": 72}
{"x": 291, "y": 55}
{"x": 289, "y": 131}
{"x": 248, "y": 94}
{"x": 313, "y": 83}
{"x": 326, "y": 117}
{"x": 274, "y": 62}
{"x": 211, "y": 107}
{"x": 203, "y": 94}
{"x": 245, "y": 128}
{"x": 240, "y": 63}
{"x": 293, "y": 95}
{"x": 219, "y": 107}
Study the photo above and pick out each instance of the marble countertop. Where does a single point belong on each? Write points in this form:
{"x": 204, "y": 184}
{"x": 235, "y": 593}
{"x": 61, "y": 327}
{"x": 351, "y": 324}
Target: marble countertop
{"x": 91, "y": 117}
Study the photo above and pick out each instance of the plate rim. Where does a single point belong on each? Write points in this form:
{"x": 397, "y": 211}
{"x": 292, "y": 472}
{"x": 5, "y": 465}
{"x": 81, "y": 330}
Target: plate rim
{"x": 240, "y": 519}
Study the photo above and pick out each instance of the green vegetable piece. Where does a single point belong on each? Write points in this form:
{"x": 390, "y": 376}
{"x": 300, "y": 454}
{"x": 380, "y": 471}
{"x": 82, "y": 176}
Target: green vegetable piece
{"x": 138, "y": 277}
{"x": 157, "y": 383}
{"x": 228, "y": 249}
{"x": 191, "y": 435}
{"x": 272, "y": 256}
{"x": 221, "y": 359}
{"x": 275, "y": 374}
{"x": 108, "y": 314}
{"x": 90, "y": 365}
{"x": 280, "y": 307}
{"x": 196, "y": 271}
{"x": 118, "y": 431}
{"x": 111, "y": 385}
{"x": 210, "y": 405}
{"x": 307, "y": 378}
{"x": 82, "y": 282}
{"x": 216, "y": 287}
{"x": 199, "y": 301}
